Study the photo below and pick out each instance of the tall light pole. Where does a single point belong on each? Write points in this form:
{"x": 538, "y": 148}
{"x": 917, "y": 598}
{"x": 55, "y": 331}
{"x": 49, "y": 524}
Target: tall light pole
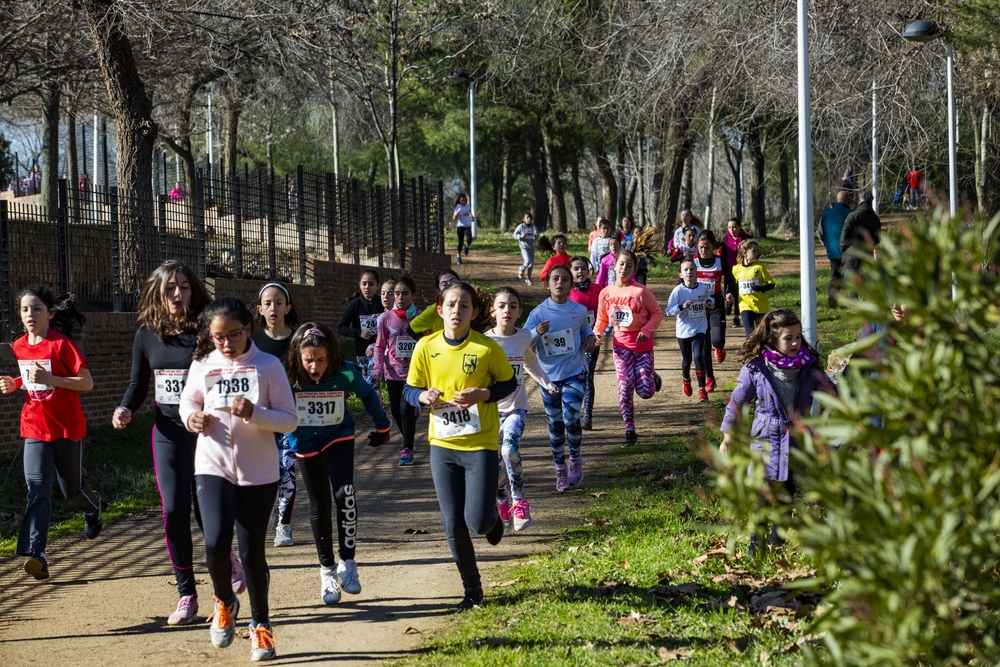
{"x": 874, "y": 152}
{"x": 806, "y": 242}
{"x": 461, "y": 75}
{"x": 211, "y": 149}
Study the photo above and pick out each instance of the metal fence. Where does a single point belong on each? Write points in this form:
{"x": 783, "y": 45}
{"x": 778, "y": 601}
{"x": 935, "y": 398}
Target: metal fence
{"x": 100, "y": 244}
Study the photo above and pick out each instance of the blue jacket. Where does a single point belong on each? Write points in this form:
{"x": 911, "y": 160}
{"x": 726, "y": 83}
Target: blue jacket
{"x": 831, "y": 225}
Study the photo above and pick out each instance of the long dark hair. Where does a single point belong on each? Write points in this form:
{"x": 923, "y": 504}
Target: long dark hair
{"x": 64, "y": 306}
{"x": 291, "y": 318}
{"x": 766, "y": 333}
{"x": 153, "y": 311}
{"x": 224, "y": 306}
{"x": 312, "y": 334}
{"x": 358, "y": 293}
{"x": 481, "y": 300}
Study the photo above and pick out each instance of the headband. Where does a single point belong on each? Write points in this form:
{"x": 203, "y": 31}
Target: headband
{"x": 314, "y": 332}
{"x": 279, "y": 286}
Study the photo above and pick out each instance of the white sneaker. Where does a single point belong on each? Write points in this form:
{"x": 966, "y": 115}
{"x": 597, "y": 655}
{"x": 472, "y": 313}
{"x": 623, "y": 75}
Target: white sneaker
{"x": 283, "y": 535}
{"x": 347, "y": 572}
{"x": 329, "y": 588}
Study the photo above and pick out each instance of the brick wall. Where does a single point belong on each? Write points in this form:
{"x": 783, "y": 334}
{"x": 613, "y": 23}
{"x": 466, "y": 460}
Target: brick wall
{"x": 106, "y": 339}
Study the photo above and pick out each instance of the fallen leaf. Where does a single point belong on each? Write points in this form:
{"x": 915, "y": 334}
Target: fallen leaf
{"x": 765, "y": 658}
{"x": 411, "y": 631}
{"x": 740, "y": 644}
{"x": 414, "y": 531}
{"x": 724, "y": 605}
{"x": 600, "y": 494}
{"x": 720, "y": 552}
{"x": 667, "y": 655}
{"x": 635, "y": 618}
{"x": 624, "y": 564}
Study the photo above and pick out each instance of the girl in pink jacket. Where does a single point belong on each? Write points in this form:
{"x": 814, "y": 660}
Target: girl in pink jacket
{"x": 236, "y": 398}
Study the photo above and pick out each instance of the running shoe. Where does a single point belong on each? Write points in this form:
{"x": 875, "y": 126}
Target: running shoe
{"x": 347, "y": 573}
{"x": 187, "y": 611}
{"x": 92, "y": 522}
{"x": 239, "y": 576}
{"x": 262, "y": 642}
{"x": 631, "y": 439}
{"x": 586, "y": 425}
{"x": 710, "y": 384}
{"x": 520, "y": 273}
{"x": 686, "y": 387}
{"x": 223, "y": 621}
{"x": 467, "y": 249}
{"x": 720, "y": 355}
{"x": 522, "y": 515}
{"x": 503, "y": 507}
{"x": 283, "y": 535}
{"x": 458, "y": 258}
{"x": 575, "y": 470}
{"x": 737, "y": 323}
{"x": 473, "y": 598}
{"x": 329, "y": 586}
{"x": 527, "y": 281}
{"x": 657, "y": 381}
{"x": 702, "y": 396}
{"x": 562, "y": 483}
{"x": 405, "y": 457}
{"x": 37, "y": 567}
{"x": 496, "y": 532}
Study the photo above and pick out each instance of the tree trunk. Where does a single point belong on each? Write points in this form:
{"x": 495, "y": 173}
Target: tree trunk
{"x": 979, "y": 131}
{"x": 757, "y": 186}
{"x": 552, "y": 167}
{"x": 688, "y": 189}
{"x": 734, "y": 158}
{"x": 581, "y": 211}
{"x": 654, "y": 193}
{"x": 608, "y": 178}
{"x": 786, "y": 196}
{"x": 541, "y": 211}
{"x": 232, "y": 131}
{"x": 633, "y": 187}
{"x": 711, "y": 163}
{"x": 622, "y": 206}
{"x": 676, "y": 147}
{"x": 508, "y": 185}
{"x": 72, "y": 166}
{"x": 50, "y": 147}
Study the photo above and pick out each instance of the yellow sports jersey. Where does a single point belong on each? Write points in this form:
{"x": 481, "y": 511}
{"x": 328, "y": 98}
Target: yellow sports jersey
{"x": 747, "y": 278}
{"x": 477, "y": 362}
{"x": 427, "y": 320}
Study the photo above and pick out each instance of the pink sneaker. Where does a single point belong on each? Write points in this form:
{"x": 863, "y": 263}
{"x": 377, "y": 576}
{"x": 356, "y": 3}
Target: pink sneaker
{"x": 503, "y": 507}
{"x": 562, "y": 484}
{"x": 522, "y": 514}
{"x": 239, "y": 576}
{"x": 187, "y": 611}
{"x": 575, "y": 470}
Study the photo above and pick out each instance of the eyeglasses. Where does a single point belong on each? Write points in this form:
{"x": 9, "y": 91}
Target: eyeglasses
{"x": 234, "y": 337}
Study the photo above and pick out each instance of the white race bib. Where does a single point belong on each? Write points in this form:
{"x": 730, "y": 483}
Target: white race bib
{"x": 621, "y": 316}
{"x": 558, "y": 343}
{"x": 368, "y": 322}
{"x": 697, "y": 310}
{"x": 169, "y": 384}
{"x": 405, "y": 347}
{"x": 748, "y": 286}
{"x": 707, "y": 280}
{"x": 26, "y": 364}
{"x": 451, "y": 421}
{"x": 319, "y": 408}
{"x": 223, "y": 385}
{"x": 591, "y": 319}
{"x": 517, "y": 363}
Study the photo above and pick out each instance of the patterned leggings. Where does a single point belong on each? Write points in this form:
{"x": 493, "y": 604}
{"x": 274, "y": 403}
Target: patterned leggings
{"x": 635, "y": 375}
{"x": 511, "y": 429}
{"x": 366, "y": 365}
{"x": 286, "y": 483}
{"x": 563, "y": 412}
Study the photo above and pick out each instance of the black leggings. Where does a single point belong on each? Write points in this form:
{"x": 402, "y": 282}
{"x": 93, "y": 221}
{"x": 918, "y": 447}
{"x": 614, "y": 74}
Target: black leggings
{"x": 750, "y": 320}
{"x": 693, "y": 348}
{"x": 404, "y": 414}
{"x": 464, "y": 234}
{"x": 588, "y": 394}
{"x": 224, "y": 503}
{"x": 716, "y": 331}
{"x": 332, "y": 468}
{"x": 173, "y": 461}
{"x": 466, "y": 486}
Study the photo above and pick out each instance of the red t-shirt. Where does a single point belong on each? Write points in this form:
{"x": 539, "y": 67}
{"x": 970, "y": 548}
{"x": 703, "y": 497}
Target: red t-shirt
{"x": 914, "y": 178}
{"x": 554, "y": 260}
{"x": 51, "y": 413}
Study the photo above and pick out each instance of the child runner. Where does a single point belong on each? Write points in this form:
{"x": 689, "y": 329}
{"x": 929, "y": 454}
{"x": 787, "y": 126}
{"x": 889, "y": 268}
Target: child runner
{"x": 778, "y": 378}
{"x": 236, "y": 398}
{"x": 360, "y": 322}
{"x": 633, "y": 312}
{"x": 516, "y": 343}
{"x": 393, "y": 351}
{"x": 559, "y": 328}
{"x": 52, "y": 423}
{"x": 275, "y": 319}
{"x": 462, "y": 374}
{"x": 169, "y": 305}
{"x": 526, "y": 233}
{"x": 561, "y": 258}
{"x": 324, "y": 441}
{"x": 687, "y": 248}
{"x": 735, "y": 235}
{"x": 606, "y": 271}
{"x": 753, "y": 283}
{"x": 429, "y": 320}
{"x": 688, "y": 303}
{"x": 586, "y": 293}
{"x": 463, "y": 225}
{"x": 601, "y": 245}
{"x": 710, "y": 272}
{"x": 627, "y": 233}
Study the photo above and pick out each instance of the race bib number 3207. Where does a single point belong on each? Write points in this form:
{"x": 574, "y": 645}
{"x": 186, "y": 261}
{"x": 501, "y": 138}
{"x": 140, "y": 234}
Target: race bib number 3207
{"x": 222, "y": 386}
{"x": 319, "y": 408}
{"x": 451, "y": 420}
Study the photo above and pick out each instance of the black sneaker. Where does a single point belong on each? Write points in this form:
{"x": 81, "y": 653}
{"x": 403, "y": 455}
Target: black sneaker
{"x": 630, "y": 439}
{"x": 495, "y": 534}
{"x": 37, "y": 567}
{"x": 92, "y": 522}
{"x": 473, "y": 598}
{"x": 657, "y": 382}
{"x": 585, "y": 425}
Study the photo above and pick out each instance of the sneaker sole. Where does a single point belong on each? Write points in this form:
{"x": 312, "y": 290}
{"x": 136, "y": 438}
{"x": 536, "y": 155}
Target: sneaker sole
{"x": 526, "y": 525}
{"x": 330, "y": 603}
{"x": 270, "y": 655}
{"x": 232, "y": 635}
{"x": 34, "y": 568}
{"x": 188, "y": 621}
{"x": 283, "y": 543}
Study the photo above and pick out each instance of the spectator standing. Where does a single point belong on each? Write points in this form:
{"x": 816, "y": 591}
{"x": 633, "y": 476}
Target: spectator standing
{"x": 830, "y": 227}
{"x": 177, "y": 194}
{"x": 862, "y": 232}
{"x": 914, "y": 186}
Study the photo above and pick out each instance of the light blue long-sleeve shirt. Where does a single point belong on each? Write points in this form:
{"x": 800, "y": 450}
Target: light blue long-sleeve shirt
{"x": 570, "y": 320}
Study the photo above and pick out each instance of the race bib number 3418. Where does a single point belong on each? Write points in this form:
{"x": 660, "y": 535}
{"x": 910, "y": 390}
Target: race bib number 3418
{"x": 451, "y": 420}
{"x": 224, "y": 385}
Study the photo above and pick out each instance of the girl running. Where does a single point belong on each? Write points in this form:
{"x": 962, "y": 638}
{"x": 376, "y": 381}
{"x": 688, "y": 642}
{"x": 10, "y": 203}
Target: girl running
{"x": 633, "y": 312}
{"x": 54, "y": 373}
{"x": 687, "y": 248}
{"x": 360, "y": 322}
{"x": 236, "y": 398}
{"x": 461, "y": 374}
{"x": 710, "y": 272}
{"x": 516, "y": 343}
{"x": 324, "y": 441}
{"x": 689, "y": 303}
{"x": 429, "y": 320}
{"x": 393, "y": 351}
{"x": 753, "y": 282}
{"x": 735, "y": 235}
{"x": 606, "y": 271}
{"x": 560, "y": 258}
{"x": 586, "y": 293}
{"x": 171, "y": 300}
{"x": 778, "y": 378}
{"x": 463, "y": 225}
{"x": 559, "y": 328}
{"x": 627, "y": 233}
{"x": 526, "y": 233}
{"x": 274, "y": 322}
{"x": 601, "y": 245}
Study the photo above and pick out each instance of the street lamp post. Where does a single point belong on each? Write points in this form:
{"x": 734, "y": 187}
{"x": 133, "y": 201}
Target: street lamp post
{"x": 461, "y": 75}
{"x": 806, "y": 242}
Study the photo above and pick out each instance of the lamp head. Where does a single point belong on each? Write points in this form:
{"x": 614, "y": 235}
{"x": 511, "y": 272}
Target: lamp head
{"x": 459, "y": 75}
{"x": 922, "y": 31}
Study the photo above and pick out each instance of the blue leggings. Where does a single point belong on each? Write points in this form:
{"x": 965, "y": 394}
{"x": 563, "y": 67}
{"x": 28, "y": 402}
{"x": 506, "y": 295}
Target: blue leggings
{"x": 563, "y": 412}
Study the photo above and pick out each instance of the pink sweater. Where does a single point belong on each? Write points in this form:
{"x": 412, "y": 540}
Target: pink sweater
{"x": 588, "y": 300}
{"x": 633, "y": 310}
{"x": 238, "y": 450}
{"x": 393, "y": 346}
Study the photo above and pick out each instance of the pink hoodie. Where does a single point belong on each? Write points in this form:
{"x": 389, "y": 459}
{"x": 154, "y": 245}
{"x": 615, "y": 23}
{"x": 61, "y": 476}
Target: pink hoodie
{"x": 393, "y": 346}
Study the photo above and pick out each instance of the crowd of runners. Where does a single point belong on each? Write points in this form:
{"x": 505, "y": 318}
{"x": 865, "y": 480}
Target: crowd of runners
{"x": 247, "y": 396}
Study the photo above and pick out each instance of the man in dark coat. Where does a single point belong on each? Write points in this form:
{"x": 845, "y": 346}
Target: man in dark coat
{"x": 862, "y": 232}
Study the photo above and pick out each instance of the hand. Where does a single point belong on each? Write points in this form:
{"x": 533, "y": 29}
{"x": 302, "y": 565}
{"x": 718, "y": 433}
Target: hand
{"x": 8, "y": 384}
{"x": 597, "y": 341}
{"x": 38, "y": 375}
{"x": 729, "y": 299}
{"x": 542, "y": 328}
{"x": 710, "y": 304}
{"x": 726, "y": 440}
{"x": 469, "y": 397}
{"x": 553, "y": 390}
{"x": 590, "y": 344}
{"x": 121, "y": 417}
{"x": 199, "y": 421}
{"x": 687, "y": 304}
{"x": 429, "y": 396}
{"x": 377, "y": 375}
{"x": 376, "y": 439}
{"x": 367, "y": 334}
{"x": 642, "y": 338}
{"x": 241, "y": 407}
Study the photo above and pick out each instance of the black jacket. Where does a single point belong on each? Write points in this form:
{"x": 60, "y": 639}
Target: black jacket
{"x": 862, "y": 229}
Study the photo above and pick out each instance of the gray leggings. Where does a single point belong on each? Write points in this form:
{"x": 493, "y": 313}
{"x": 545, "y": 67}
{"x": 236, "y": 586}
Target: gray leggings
{"x": 62, "y": 458}
{"x": 466, "y": 485}
{"x": 528, "y": 255}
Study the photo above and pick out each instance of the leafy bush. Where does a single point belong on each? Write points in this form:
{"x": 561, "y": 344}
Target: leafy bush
{"x": 903, "y": 519}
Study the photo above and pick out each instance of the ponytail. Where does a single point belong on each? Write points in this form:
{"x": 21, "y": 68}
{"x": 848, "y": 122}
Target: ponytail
{"x": 66, "y": 317}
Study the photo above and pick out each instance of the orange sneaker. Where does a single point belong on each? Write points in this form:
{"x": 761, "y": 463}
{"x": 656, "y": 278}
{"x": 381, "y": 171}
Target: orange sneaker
{"x": 262, "y": 642}
{"x": 720, "y": 355}
{"x": 709, "y": 384}
{"x": 702, "y": 396}
{"x": 223, "y": 621}
{"x": 686, "y": 386}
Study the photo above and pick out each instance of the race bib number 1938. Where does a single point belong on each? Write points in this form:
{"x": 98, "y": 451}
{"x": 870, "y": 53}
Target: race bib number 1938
{"x": 224, "y": 385}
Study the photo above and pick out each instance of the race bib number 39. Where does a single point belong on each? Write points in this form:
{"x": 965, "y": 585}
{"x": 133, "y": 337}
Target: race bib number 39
{"x": 169, "y": 385}
{"x": 451, "y": 421}
{"x": 405, "y": 347}
{"x": 319, "y": 408}
{"x": 224, "y": 385}
{"x": 517, "y": 363}
{"x": 26, "y": 365}
{"x": 558, "y": 343}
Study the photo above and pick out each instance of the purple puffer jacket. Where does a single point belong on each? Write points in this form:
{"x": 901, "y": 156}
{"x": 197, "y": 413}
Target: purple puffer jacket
{"x": 770, "y": 422}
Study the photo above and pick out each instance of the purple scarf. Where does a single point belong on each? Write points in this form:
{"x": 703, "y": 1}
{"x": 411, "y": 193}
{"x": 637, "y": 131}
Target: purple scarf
{"x": 778, "y": 360}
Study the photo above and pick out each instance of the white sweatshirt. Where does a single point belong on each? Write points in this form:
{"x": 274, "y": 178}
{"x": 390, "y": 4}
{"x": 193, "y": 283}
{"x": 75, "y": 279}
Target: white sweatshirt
{"x": 522, "y": 357}
{"x": 693, "y": 320}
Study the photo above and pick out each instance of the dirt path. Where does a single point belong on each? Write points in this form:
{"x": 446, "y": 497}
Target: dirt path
{"x": 106, "y": 602}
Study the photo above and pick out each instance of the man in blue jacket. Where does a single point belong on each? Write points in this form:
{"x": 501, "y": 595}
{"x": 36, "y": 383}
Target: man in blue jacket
{"x": 830, "y": 227}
